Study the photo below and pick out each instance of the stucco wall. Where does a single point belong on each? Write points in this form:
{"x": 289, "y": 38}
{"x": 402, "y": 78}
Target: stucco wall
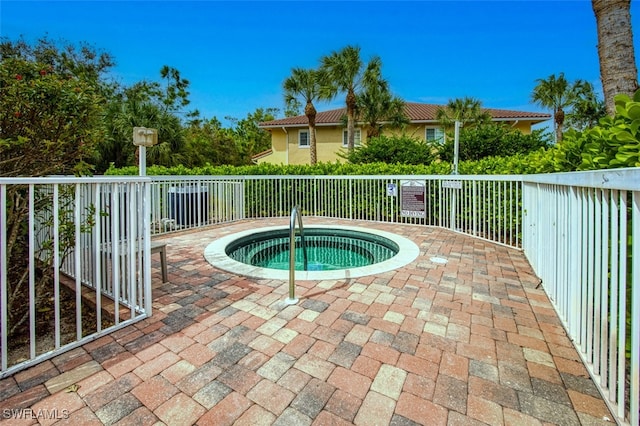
{"x": 329, "y": 142}
{"x": 286, "y": 150}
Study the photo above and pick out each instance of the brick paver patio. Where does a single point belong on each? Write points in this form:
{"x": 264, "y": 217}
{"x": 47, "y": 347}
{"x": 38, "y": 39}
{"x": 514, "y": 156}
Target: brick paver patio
{"x": 474, "y": 341}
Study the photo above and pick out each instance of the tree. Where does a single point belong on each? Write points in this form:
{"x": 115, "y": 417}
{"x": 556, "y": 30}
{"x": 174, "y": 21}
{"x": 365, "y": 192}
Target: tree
{"x": 586, "y": 111}
{"x": 618, "y": 71}
{"x": 50, "y": 122}
{"x": 43, "y": 109}
{"x": 147, "y": 104}
{"x": 305, "y": 84}
{"x": 465, "y": 110}
{"x": 557, "y": 94}
{"x": 376, "y": 106}
{"x": 345, "y": 73}
{"x": 293, "y": 108}
{"x": 82, "y": 61}
{"x": 249, "y": 138}
{"x": 208, "y": 143}
{"x": 176, "y": 93}
{"x": 137, "y": 106}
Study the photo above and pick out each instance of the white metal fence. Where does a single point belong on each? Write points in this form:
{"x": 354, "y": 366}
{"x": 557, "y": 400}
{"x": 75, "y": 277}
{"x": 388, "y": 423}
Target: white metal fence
{"x": 581, "y": 233}
{"x": 194, "y": 201}
{"x": 74, "y": 263}
{"x": 483, "y": 206}
{"x": 578, "y": 230}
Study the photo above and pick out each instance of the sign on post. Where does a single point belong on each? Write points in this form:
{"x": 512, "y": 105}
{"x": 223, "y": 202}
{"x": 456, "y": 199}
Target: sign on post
{"x": 392, "y": 190}
{"x": 453, "y": 184}
{"x": 413, "y": 198}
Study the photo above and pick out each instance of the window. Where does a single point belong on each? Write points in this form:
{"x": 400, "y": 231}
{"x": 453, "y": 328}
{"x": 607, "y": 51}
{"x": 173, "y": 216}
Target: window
{"x": 303, "y": 138}
{"x": 356, "y": 138}
{"x": 434, "y": 134}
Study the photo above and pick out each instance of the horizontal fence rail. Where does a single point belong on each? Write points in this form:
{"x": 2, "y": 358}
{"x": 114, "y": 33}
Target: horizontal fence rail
{"x": 581, "y": 234}
{"x": 74, "y": 263}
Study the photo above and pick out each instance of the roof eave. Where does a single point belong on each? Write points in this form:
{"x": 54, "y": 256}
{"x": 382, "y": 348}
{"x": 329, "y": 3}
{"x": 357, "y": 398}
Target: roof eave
{"x": 533, "y": 120}
{"x": 295, "y": 125}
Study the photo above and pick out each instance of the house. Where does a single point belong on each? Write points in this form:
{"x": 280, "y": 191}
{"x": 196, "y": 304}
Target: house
{"x": 290, "y": 136}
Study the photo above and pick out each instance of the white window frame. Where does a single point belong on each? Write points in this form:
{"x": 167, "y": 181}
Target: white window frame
{"x": 357, "y": 137}
{"x": 438, "y": 131}
{"x": 300, "y": 133}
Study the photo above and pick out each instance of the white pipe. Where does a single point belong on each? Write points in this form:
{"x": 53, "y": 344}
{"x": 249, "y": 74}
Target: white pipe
{"x": 142, "y": 160}
{"x": 456, "y": 147}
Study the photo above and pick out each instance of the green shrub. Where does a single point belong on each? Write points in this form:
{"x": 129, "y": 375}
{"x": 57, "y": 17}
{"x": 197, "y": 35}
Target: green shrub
{"x": 615, "y": 142}
{"x": 492, "y": 140}
{"x": 401, "y": 149}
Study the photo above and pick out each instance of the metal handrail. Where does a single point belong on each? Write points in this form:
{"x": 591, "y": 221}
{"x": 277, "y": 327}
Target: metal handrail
{"x": 295, "y": 212}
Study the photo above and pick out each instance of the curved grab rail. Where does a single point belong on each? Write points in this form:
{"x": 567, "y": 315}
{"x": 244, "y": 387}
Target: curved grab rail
{"x": 295, "y": 212}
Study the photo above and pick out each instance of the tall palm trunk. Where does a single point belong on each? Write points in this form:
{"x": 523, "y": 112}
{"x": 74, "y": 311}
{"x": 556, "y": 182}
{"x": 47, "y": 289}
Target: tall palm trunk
{"x": 558, "y": 118}
{"x": 351, "y": 109}
{"x": 618, "y": 71}
{"x": 373, "y": 130}
{"x": 310, "y": 112}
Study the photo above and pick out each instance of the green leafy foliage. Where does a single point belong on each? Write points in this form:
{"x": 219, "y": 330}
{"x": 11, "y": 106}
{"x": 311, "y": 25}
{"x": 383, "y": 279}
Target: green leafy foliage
{"x": 249, "y": 138}
{"x": 209, "y": 143}
{"x": 45, "y": 112}
{"x": 518, "y": 164}
{"x": 466, "y": 110}
{"x": 50, "y": 123}
{"x": 559, "y": 95}
{"x": 492, "y": 140}
{"x": 146, "y": 104}
{"x": 376, "y": 106}
{"x": 401, "y": 149}
{"x": 615, "y": 142}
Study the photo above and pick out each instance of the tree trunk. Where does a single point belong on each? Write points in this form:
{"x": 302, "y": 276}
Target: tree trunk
{"x": 618, "y": 71}
{"x": 558, "y": 118}
{"x": 351, "y": 108}
{"x": 373, "y": 131}
{"x": 310, "y": 112}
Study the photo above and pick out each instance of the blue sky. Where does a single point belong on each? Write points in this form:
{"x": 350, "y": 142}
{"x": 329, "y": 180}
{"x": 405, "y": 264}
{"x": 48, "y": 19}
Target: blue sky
{"x": 237, "y": 54}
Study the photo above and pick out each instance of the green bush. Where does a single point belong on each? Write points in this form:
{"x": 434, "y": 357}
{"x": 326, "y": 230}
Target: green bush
{"x": 392, "y": 150}
{"x": 492, "y": 140}
{"x": 291, "y": 170}
{"x": 615, "y": 142}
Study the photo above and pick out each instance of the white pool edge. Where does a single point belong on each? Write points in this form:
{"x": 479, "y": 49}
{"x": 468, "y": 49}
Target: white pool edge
{"x": 215, "y": 254}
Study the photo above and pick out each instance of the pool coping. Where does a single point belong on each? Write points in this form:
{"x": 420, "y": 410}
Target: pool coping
{"x": 216, "y": 255}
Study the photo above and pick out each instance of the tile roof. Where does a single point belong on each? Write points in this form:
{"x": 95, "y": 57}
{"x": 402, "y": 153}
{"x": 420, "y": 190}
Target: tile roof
{"x": 416, "y": 112}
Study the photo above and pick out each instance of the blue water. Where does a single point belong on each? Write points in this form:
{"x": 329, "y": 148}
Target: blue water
{"x": 319, "y": 259}
{"x": 324, "y": 253}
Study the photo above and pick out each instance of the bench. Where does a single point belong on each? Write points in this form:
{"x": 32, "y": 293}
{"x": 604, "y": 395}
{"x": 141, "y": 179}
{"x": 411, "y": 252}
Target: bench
{"x": 156, "y": 247}
{"x": 160, "y": 247}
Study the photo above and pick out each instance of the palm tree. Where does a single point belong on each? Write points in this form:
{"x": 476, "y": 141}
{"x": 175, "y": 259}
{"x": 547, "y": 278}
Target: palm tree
{"x": 305, "y": 84}
{"x": 557, "y": 94}
{"x": 344, "y": 70}
{"x": 376, "y": 104}
{"x": 618, "y": 71}
{"x": 464, "y": 110}
{"x": 136, "y": 107}
{"x": 587, "y": 111}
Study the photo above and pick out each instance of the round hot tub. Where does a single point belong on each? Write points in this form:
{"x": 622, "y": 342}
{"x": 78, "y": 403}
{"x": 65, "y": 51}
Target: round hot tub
{"x": 328, "y": 252}
{"x": 317, "y": 249}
